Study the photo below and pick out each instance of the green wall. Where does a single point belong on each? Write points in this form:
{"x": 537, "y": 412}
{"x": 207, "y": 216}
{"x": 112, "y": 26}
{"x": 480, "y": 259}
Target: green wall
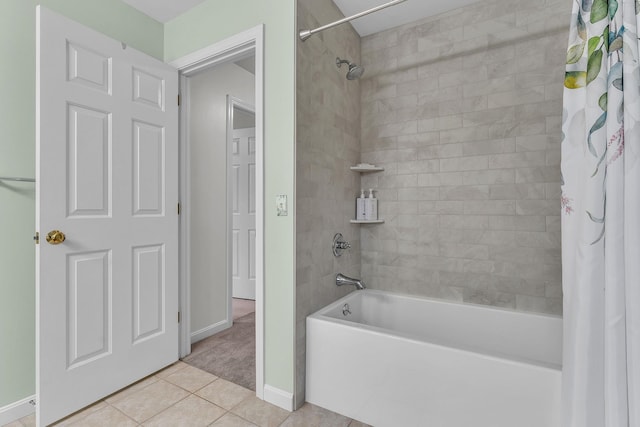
{"x": 17, "y": 158}
{"x": 212, "y": 21}
{"x": 17, "y": 208}
{"x": 215, "y": 20}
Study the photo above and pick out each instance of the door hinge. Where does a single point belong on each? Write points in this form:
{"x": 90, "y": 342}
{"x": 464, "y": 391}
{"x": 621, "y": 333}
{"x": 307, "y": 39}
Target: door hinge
{"x": 178, "y": 99}
{"x": 179, "y": 317}
{"x": 36, "y": 238}
{"x": 179, "y": 208}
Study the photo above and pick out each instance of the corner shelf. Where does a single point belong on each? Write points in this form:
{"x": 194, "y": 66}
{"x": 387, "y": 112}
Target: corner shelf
{"x": 365, "y": 167}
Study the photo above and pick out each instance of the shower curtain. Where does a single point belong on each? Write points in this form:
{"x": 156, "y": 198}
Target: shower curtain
{"x": 601, "y": 216}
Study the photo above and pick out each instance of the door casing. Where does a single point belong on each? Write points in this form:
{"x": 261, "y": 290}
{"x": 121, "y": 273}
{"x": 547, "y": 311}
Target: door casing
{"x": 249, "y": 42}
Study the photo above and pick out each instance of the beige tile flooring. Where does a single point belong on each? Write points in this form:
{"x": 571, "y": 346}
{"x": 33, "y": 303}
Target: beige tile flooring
{"x": 182, "y": 395}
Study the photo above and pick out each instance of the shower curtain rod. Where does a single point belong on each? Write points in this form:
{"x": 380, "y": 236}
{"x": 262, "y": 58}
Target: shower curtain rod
{"x": 305, "y": 34}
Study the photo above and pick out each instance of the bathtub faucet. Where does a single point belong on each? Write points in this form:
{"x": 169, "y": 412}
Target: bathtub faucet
{"x": 341, "y": 279}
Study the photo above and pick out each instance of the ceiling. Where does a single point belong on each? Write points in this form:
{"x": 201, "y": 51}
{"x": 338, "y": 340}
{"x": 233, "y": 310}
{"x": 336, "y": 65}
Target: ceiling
{"x": 402, "y": 13}
{"x": 248, "y": 64}
{"x": 163, "y": 10}
{"x": 409, "y": 11}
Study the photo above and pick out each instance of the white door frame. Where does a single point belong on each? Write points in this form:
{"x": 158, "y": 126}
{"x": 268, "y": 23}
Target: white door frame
{"x": 232, "y": 102}
{"x": 235, "y": 47}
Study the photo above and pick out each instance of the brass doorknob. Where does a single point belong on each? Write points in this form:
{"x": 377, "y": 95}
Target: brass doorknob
{"x": 55, "y": 237}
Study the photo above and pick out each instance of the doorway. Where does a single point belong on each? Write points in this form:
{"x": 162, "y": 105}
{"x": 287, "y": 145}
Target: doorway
{"x": 222, "y": 145}
{"x": 206, "y": 237}
{"x": 219, "y": 196}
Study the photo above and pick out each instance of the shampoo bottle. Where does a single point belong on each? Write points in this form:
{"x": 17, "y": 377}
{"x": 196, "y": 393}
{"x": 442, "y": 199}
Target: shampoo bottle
{"x": 360, "y": 206}
{"x": 371, "y": 207}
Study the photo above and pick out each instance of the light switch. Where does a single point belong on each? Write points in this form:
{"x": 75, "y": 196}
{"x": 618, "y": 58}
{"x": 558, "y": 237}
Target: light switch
{"x": 281, "y": 205}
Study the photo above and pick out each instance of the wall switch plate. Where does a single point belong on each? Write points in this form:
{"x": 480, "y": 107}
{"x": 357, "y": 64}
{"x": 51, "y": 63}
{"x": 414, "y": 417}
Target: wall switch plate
{"x": 281, "y": 205}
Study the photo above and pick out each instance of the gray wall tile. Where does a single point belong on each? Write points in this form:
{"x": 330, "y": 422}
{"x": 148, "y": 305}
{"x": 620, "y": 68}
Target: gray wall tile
{"x": 464, "y": 112}
{"x": 328, "y": 142}
{"x": 476, "y": 111}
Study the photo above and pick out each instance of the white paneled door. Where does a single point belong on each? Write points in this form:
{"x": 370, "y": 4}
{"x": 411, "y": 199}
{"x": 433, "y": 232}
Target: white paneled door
{"x": 243, "y": 166}
{"x": 107, "y": 179}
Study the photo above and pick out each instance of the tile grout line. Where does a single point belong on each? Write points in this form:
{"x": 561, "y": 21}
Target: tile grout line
{"x": 127, "y": 416}
{"x": 190, "y": 394}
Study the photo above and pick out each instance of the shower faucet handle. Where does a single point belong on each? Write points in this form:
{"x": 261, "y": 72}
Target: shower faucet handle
{"x": 343, "y": 245}
{"x": 339, "y": 245}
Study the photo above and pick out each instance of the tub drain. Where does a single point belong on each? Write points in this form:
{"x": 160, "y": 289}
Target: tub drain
{"x": 346, "y": 309}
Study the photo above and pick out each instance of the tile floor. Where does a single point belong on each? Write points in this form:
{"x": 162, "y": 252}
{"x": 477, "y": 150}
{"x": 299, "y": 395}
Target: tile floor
{"x": 182, "y": 395}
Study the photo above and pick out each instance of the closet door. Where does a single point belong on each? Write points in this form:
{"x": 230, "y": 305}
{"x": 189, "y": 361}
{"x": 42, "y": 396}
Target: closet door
{"x": 243, "y": 166}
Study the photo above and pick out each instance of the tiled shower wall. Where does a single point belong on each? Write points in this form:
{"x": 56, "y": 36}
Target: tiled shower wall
{"x": 464, "y": 112}
{"x": 328, "y": 142}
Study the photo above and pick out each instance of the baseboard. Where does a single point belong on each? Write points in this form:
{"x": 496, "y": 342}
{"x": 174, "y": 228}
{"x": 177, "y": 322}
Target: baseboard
{"x": 280, "y": 398}
{"x": 16, "y": 410}
{"x": 210, "y": 330}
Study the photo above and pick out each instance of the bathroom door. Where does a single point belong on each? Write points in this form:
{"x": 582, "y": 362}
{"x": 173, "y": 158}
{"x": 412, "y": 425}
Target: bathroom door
{"x": 243, "y": 163}
{"x": 107, "y": 178}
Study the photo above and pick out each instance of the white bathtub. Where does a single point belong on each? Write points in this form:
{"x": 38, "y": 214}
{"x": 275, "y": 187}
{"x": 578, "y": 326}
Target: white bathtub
{"x": 407, "y": 361}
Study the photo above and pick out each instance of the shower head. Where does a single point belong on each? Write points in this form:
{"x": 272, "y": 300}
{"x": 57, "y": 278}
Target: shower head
{"x": 355, "y": 71}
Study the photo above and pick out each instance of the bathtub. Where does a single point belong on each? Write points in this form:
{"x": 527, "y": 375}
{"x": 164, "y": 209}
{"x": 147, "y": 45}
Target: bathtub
{"x": 393, "y": 360}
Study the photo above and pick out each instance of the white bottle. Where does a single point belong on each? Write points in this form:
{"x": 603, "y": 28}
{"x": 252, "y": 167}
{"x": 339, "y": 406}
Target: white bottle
{"x": 371, "y": 207}
{"x": 360, "y": 208}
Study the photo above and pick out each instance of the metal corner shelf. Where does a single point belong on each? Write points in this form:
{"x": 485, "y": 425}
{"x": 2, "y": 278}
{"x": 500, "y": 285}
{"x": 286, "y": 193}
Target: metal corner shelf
{"x": 364, "y": 221}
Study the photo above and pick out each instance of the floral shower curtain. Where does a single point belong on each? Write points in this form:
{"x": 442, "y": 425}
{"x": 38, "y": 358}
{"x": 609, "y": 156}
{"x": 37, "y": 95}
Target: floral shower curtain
{"x": 601, "y": 216}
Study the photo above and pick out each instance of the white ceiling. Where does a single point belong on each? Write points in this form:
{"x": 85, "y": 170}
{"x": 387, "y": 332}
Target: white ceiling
{"x": 409, "y": 11}
{"x": 402, "y": 13}
{"x": 163, "y": 10}
{"x": 249, "y": 64}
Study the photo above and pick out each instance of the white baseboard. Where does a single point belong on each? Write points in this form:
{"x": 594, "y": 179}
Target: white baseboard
{"x": 280, "y": 398}
{"x": 16, "y": 410}
{"x": 210, "y": 330}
